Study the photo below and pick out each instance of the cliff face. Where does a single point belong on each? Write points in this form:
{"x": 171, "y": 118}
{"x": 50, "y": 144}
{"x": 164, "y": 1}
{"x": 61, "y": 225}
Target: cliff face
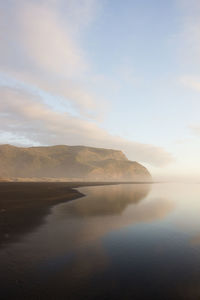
{"x": 69, "y": 162}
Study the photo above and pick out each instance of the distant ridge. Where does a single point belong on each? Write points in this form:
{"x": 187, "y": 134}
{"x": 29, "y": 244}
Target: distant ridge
{"x": 70, "y": 162}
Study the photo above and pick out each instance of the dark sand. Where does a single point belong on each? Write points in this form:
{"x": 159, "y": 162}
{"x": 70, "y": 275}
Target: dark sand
{"x": 23, "y": 205}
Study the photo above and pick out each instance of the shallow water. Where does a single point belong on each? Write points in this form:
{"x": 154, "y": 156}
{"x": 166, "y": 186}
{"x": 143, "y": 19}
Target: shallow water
{"x": 121, "y": 242}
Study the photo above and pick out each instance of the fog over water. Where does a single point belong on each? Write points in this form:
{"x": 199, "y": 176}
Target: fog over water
{"x": 121, "y": 241}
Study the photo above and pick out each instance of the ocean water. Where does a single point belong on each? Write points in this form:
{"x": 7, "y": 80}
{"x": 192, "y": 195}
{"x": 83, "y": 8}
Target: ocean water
{"x": 130, "y": 241}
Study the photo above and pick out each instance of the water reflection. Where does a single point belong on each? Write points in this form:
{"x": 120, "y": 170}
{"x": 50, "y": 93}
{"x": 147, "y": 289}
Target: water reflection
{"x": 120, "y": 242}
{"x": 106, "y": 209}
{"x": 107, "y": 200}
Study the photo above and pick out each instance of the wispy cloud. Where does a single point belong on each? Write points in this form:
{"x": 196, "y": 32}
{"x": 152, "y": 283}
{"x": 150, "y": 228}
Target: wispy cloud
{"x": 189, "y": 37}
{"x": 27, "y": 116}
{"x": 195, "y": 129}
{"x": 189, "y": 40}
{"x": 47, "y": 41}
{"x": 192, "y": 82}
{"x": 41, "y": 47}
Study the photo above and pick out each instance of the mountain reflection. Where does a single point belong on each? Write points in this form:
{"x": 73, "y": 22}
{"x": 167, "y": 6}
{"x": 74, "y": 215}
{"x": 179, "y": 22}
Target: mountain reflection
{"x": 106, "y": 209}
{"x": 73, "y": 253}
{"x": 108, "y": 200}
{"x": 81, "y": 227}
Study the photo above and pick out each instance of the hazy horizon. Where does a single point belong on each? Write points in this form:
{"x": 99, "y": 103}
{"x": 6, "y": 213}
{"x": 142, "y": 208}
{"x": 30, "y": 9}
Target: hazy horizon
{"x": 106, "y": 74}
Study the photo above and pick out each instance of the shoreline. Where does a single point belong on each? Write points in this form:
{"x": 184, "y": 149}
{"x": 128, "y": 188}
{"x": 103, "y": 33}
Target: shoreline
{"x": 23, "y": 205}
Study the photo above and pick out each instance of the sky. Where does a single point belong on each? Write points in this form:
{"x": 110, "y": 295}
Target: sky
{"x": 104, "y": 73}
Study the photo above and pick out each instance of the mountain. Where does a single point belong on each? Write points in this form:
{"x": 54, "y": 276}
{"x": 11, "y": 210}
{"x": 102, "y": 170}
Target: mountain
{"x": 71, "y": 162}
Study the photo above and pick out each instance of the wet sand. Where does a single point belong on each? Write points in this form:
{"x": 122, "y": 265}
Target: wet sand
{"x": 23, "y": 205}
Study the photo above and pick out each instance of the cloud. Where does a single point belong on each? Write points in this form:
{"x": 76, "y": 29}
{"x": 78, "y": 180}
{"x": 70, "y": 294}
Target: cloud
{"x": 195, "y": 129}
{"x": 85, "y": 102}
{"x": 188, "y": 41}
{"x": 26, "y": 116}
{"x": 41, "y": 51}
{"x": 47, "y": 41}
{"x": 192, "y": 82}
{"x": 41, "y": 47}
{"x": 189, "y": 36}
{"x": 43, "y": 34}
